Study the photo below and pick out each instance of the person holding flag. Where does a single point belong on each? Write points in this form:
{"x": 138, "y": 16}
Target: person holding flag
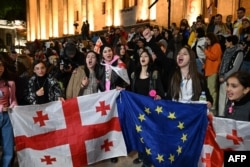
{"x": 146, "y": 81}
{"x": 42, "y": 88}
{"x": 230, "y": 133}
{"x": 238, "y": 93}
{"x": 112, "y": 73}
{"x": 83, "y": 80}
{"x": 187, "y": 83}
{"x": 7, "y": 101}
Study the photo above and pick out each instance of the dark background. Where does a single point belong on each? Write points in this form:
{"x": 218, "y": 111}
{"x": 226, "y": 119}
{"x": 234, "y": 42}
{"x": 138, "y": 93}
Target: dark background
{"x": 13, "y": 10}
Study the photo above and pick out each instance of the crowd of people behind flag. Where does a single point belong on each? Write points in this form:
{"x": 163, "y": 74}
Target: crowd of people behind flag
{"x": 178, "y": 64}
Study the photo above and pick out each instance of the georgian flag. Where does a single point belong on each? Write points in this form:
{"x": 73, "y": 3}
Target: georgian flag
{"x": 77, "y": 132}
{"x": 98, "y": 45}
{"x": 224, "y": 134}
{"x": 122, "y": 72}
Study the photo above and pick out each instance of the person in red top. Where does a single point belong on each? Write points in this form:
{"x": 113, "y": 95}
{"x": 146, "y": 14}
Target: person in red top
{"x": 7, "y": 101}
{"x": 213, "y": 54}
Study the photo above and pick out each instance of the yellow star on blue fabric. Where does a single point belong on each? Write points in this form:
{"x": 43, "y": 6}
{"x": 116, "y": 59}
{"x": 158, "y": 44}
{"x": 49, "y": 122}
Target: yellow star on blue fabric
{"x": 138, "y": 128}
{"x": 181, "y": 125}
{"x": 171, "y": 158}
{"x": 158, "y": 109}
{"x": 142, "y": 117}
{"x": 171, "y": 115}
{"x": 160, "y": 158}
{"x": 179, "y": 150}
{"x": 184, "y": 137}
{"x": 148, "y": 151}
{"x": 147, "y": 110}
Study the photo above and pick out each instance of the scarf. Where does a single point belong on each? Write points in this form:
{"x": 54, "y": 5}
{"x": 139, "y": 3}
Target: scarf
{"x": 108, "y": 71}
{"x": 227, "y": 56}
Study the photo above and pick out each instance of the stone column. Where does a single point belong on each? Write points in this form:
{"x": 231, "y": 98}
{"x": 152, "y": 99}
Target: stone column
{"x": 42, "y": 20}
{"x": 117, "y": 15}
{"x": 142, "y": 10}
{"x": 70, "y": 9}
{"x": 65, "y": 17}
{"x": 55, "y": 18}
{"x": 109, "y": 13}
{"x": 32, "y": 19}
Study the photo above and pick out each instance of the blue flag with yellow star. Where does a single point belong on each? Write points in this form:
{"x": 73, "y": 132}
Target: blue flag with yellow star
{"x": 170, "y": 134}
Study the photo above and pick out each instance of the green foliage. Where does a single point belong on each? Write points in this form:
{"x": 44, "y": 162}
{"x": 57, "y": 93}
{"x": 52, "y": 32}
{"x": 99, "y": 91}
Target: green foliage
{"x": 13, "y": 9}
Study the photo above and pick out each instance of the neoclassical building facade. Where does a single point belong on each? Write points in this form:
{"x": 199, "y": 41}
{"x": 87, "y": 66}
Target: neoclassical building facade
{"x": 56, "y": 18}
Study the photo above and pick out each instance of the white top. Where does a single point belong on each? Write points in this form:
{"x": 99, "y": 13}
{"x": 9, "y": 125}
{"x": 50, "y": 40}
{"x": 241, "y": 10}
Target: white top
{"x": 186, "y": 90}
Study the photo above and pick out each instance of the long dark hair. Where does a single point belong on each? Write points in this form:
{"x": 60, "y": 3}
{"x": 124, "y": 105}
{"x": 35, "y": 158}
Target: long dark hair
{"x": 150, "y": 65}
{"x": 97, "y": 63}
{"x": 5, "y": 75}
{"x": 108, "y": 46}
{"x": 175, "y": 84}
{"x": 213, "y": 38}
{"x": 243, "y": 77}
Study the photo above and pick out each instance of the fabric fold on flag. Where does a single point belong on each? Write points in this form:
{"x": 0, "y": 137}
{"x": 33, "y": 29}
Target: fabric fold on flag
{"x": 77, "y": 132}
{"x": 169, "y": 133}
{"x": 223, "y": 135}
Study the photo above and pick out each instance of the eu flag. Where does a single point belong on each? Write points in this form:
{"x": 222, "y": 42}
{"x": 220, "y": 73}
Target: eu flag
{"x": 171, "y": 134}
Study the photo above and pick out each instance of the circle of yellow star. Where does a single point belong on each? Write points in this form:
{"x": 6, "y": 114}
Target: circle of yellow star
{"x": 179, "y": 150}
{"x": 147, "y": 110}
{"x": 171, "y": 115}
{"x": 184, "y": 137}
{"x": 181, "y": 125}
{"x": 142, "y": 117}
{"x": 148, "y": 151}
{"x": 171, "y": 158}
{"x": 138, "y": 128}
{"x": 158, "y": 109}
{"x": 160, "y": 158}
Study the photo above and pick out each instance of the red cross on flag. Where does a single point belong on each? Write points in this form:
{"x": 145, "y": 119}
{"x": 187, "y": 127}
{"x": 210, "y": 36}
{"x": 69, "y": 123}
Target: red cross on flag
{"x": 223, "y": 134}
{"x": 78, "y": 132}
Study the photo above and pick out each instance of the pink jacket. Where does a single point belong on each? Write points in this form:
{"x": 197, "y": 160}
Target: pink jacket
{"x": 12, "y": 97}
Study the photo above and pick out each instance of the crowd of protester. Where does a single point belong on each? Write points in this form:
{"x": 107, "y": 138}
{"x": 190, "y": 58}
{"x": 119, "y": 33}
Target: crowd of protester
{"x": 176, "y": 63}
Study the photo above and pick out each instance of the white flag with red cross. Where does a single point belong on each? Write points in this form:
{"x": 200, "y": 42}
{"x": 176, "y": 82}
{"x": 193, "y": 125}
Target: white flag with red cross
{"x": 224, "y": 135}
{"x": 77, "y": 132}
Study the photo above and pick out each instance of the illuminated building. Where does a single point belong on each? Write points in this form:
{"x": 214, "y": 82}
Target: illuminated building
{"x": 55, "y": 18}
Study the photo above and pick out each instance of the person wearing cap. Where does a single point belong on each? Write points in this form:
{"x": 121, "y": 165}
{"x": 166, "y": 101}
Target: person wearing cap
{"x": 164, "y": 47}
